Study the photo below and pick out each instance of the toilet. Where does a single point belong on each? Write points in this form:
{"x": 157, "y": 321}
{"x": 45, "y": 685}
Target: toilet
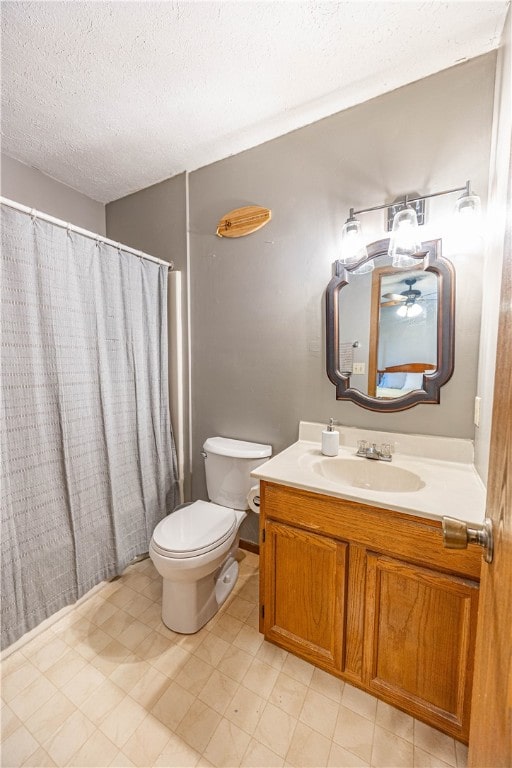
{"x": 194, "y": 548}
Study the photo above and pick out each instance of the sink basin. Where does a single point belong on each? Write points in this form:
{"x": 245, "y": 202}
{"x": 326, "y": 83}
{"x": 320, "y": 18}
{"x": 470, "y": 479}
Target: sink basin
{"x": 365, "y": 473}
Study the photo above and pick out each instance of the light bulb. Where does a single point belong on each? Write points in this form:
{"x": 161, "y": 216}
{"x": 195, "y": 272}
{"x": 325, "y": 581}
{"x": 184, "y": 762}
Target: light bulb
{"x": 404, "y": 240}
{"x": 353, "y": 248}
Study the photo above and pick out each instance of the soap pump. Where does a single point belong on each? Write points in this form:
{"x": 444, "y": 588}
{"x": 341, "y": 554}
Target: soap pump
{"x": 330, "y": 440}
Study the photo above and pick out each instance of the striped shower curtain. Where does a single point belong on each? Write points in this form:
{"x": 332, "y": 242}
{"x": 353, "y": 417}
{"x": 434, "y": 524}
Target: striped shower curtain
{"x": 88, "y": 460}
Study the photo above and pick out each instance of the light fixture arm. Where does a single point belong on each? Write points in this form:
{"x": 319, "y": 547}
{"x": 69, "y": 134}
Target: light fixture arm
{"x": 407, "y": 200}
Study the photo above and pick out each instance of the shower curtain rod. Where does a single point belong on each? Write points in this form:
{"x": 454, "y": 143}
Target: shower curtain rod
{"x": 84, "y": 232}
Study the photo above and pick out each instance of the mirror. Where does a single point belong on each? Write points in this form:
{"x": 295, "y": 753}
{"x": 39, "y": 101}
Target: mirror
{"x": 390, "y": 331}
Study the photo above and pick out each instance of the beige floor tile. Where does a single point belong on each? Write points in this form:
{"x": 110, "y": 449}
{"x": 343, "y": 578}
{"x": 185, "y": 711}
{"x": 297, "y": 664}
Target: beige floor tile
{"x": 137, "y": 606}
{"x": 101, "y": 612}
{"x": 121, "y": 761}
{"x": 235, "y": 663}
{"x": 226, "y": 627}
{"x": 319, "y": 712}
{"x": 153, "y": 590}
{"x": 395, "y": 721}
{"x": 150, "y": 688}
{"x": 129, "y": 673}
{"x": 190, "y": 643}
{"x": 260, "y": 678}
{"x": 424, "y": 759}
{"x": 17, "y": 680}
{"x": 227, "y": 745}
{"x": 354, "y": 732}
{"x": 211, "y": 649}
{"x": 245, "y": 709}
{"x": 66, "y": 668}
{"x": 194, "y": 675}
{"x": 97, "y": 751}
{"x": 83, "y": 684}
{"x": 32, "y": 697}
{"x": 102, "y": 702}
{"x": 253, "y": 619}
{"x": 18, "y": 747}
{"x": 308, "y": 748}
{"x": 461, "y": 753}
{"x": 134, "y": 634}
{"x": 69, "y": 738}
{"x": 218, "y": 691}
{"x": 110, "y": 657}
{"x": 327, "y": 684}
{"x": 288, "y": 694}
{"x": 12, "y": 660}
{"x": 248, "y": 640}
{"x": 258, "y": 755}
{"x": 172, "y": 661}
{"x": 173, "y": 705}
{"x": 198, "y": 725}
{"x": 39, "y": 759}
{"x": 390, "y": 751}
{"x": 153, "y": 646}
{"x": 275, "y": 729}
{"x": 239, "y": 608}
{"x": 147, "y": 742}
{"x": 45, "y": 651}
{"x": 92, "y": 645}
{"x": 436, "y": 743}
{"x": 359, "y": 701}
{"x": 9, "y": 721}
{"x": 272, "y": 655}
{"x": 122, "y": 721}
{"x": 122, "y": 596}
{"x": 298, "y": 669}
{"x": 342, "y": 758}
{"x": 152, "y": 616}
{"x": 177, "y": 754}
{"x": 47, "y": 719}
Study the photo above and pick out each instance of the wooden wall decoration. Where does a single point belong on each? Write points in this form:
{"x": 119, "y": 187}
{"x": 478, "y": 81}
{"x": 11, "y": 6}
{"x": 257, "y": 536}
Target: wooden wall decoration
{"x": 243, "y": 221}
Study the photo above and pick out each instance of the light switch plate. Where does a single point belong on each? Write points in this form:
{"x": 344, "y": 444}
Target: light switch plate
{"x": 359, "y": 368}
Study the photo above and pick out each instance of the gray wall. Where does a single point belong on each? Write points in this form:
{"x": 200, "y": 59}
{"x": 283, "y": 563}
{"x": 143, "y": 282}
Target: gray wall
{"x": 258, "y": 332}
{"x": 30, "y": 187}
{"x": 257, "y": 303}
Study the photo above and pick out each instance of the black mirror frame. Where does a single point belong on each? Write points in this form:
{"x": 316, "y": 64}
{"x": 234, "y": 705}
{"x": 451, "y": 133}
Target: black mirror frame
{"x": 432, "y": 383}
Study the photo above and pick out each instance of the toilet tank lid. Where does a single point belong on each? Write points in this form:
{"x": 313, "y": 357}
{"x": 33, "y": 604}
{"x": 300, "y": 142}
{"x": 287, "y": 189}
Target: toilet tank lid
{"x": 237, "y": 449}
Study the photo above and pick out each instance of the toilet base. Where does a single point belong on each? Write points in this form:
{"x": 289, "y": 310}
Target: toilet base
{"x": 188, "y": 606}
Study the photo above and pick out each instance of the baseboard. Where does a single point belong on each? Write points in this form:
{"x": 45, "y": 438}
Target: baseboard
{"x": 250, "y": 546}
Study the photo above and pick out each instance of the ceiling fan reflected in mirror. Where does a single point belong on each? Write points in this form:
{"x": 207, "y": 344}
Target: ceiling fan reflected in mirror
{"x": 408, "y": 301}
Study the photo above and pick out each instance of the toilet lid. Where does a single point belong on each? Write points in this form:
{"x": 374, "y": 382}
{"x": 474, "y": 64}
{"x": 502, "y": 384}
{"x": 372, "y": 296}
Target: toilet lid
{"x": 194, "y": 529}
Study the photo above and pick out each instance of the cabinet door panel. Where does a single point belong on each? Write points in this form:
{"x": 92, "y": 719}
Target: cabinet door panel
{"x": 305, "y": 584}
{"x": 420, "y": 630}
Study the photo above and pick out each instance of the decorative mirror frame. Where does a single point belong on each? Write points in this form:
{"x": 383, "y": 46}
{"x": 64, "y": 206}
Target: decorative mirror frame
{"x": 433, "y": 262}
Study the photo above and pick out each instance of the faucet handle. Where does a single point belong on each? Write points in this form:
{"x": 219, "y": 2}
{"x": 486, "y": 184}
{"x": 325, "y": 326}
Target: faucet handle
{"x": 362, "y": 447}
{"x": 385, "y": 451}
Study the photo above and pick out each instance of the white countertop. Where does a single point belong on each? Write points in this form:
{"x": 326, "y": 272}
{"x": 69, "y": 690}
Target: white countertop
{"x": 451, "y": 488}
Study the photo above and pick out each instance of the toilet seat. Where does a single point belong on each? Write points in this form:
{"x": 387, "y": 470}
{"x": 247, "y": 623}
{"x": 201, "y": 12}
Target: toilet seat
{"x": 194, "y": 530}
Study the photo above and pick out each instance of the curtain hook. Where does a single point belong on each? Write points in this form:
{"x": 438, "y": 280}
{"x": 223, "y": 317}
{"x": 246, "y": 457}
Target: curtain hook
{"x": 33, "y": 214}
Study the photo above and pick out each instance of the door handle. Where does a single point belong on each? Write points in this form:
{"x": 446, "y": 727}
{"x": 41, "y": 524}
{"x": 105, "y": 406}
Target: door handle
{"x": 457, "y": 535}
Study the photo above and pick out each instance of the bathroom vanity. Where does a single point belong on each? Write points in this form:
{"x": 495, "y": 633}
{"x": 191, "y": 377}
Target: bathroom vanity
{"x": 364, "y": 588}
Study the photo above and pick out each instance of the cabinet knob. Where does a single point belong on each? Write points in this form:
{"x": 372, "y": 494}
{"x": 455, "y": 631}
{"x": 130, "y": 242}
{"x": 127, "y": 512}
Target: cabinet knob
{"x": 457, "y": 535}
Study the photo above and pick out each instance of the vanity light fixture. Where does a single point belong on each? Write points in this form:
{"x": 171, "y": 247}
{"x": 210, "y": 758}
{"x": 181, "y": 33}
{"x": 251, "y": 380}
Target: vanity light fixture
{"x": 404, "y": 218}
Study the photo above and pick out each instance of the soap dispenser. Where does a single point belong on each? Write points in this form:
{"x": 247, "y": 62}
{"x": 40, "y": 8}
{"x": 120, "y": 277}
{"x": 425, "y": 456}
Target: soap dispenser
{"x": 330, "y": 440}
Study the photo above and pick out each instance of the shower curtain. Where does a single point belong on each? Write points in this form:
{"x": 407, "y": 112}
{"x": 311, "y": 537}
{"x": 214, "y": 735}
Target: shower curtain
{"x": 88, "y": 459}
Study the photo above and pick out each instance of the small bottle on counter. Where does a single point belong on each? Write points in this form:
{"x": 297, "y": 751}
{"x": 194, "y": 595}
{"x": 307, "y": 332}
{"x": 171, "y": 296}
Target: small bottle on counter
{"x": 330, "y": 440}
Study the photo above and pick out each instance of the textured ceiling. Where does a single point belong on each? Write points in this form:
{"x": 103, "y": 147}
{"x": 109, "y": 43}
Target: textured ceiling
{"x": 110, "y": 97}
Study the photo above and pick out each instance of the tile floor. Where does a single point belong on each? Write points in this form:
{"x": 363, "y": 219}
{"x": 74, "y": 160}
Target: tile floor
{"x": 108, "y": 684}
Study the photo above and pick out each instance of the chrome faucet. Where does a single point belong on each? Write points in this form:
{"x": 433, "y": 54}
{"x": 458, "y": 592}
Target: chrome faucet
{"x": 383, "y": 453}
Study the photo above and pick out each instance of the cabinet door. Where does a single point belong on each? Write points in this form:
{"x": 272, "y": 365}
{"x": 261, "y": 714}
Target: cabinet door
{"x": 303, "y": 593}
{"x": 419, "y": 641}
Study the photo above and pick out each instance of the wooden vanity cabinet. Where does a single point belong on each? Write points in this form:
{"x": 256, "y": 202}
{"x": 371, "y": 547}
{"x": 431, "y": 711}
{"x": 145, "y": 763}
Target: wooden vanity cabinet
{"x": 372, "y": 596}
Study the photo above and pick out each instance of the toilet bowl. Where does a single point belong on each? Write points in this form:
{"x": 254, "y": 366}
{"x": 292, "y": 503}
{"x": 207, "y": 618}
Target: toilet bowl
{"x": 194, "y": 548}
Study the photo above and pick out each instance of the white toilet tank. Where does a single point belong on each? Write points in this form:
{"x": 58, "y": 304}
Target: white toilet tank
{"x": 228, "y": 464}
